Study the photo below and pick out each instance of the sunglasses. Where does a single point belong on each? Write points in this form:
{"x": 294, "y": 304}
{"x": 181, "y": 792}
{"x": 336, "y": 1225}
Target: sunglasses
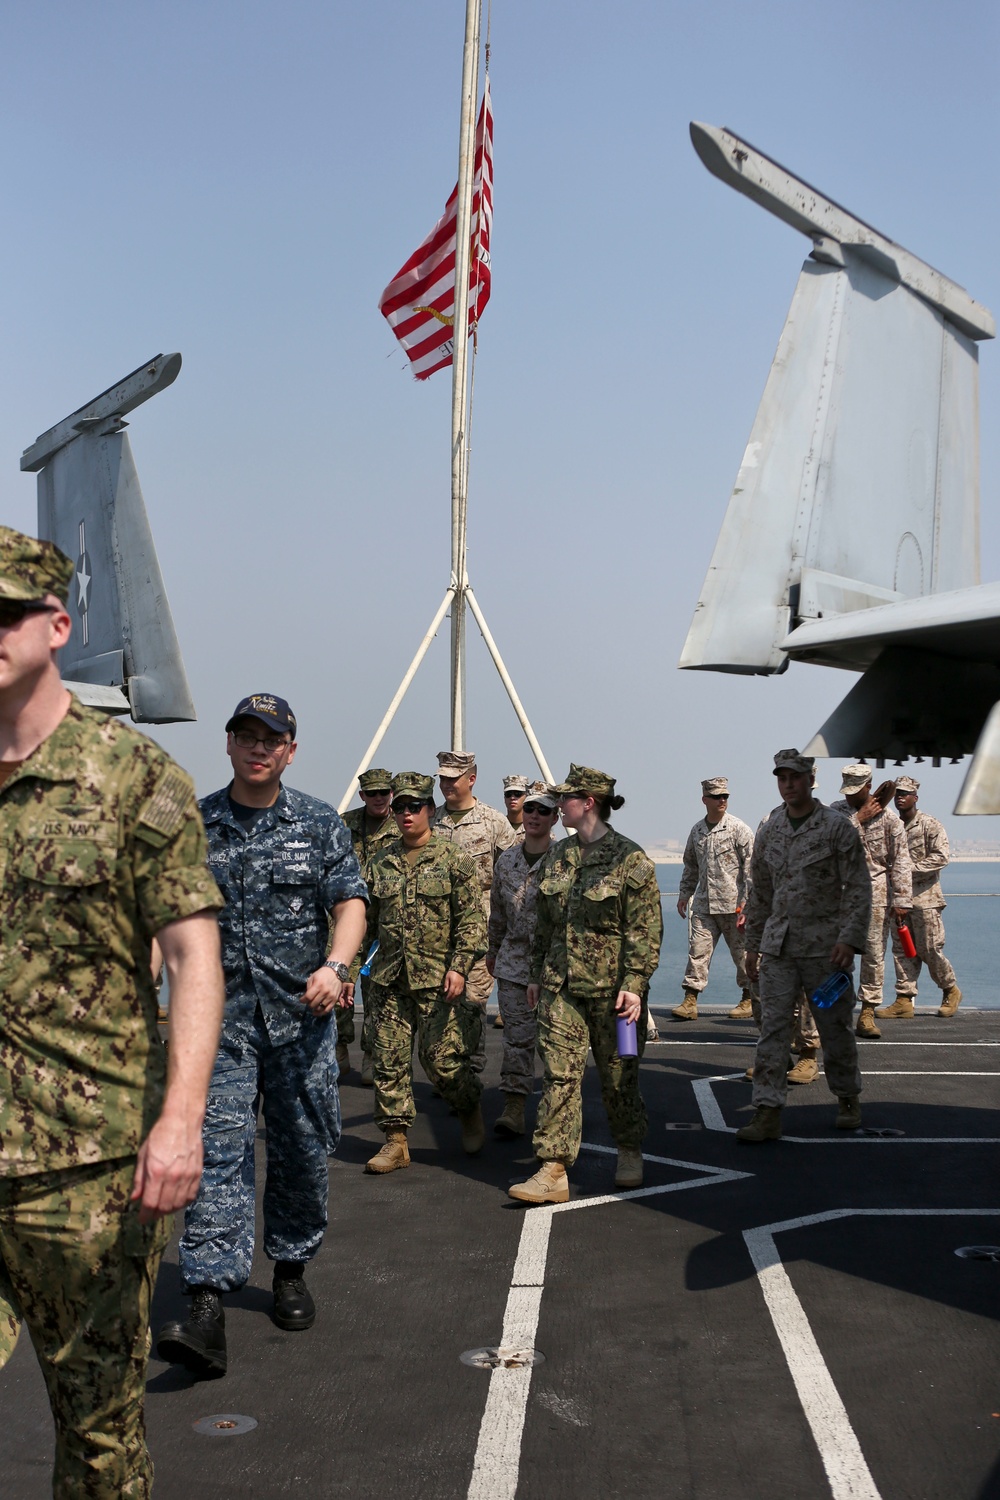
{"x": 513, "y": 793}
{"x": 717, "y": 796}
{"x": 539, "y": 807}
{"x": 408, "y": 805}
{"x": 377, "y": 791}
{"x": 13, "y": 611}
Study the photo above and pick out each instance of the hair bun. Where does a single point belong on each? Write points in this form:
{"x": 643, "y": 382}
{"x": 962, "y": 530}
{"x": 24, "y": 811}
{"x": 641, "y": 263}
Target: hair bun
{"x": 616, "y": 802}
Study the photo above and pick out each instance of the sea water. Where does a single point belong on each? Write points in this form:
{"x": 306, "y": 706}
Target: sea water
{"x": 972, "y": 943}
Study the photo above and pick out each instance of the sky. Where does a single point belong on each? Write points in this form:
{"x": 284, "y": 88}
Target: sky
{"x": 239, "y": 181}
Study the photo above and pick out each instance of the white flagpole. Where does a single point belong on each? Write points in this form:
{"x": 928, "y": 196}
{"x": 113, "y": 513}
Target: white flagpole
{"x": 460, "y": 365}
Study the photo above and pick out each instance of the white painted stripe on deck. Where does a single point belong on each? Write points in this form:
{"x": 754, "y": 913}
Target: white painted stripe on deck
{"x": 839, "y": 1449}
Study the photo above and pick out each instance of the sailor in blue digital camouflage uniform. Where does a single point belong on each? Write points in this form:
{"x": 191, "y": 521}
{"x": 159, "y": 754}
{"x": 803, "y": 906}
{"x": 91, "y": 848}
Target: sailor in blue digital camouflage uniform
{"x": 286, "y": 866}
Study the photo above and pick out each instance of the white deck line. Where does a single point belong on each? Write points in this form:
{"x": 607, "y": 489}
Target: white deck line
{"x": 497, "y": 1462}
{"x": 839, "y": 1449}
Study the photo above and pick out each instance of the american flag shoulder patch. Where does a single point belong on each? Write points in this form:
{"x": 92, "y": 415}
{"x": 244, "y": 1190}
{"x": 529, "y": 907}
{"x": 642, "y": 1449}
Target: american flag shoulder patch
{"x": 168, "y": 806}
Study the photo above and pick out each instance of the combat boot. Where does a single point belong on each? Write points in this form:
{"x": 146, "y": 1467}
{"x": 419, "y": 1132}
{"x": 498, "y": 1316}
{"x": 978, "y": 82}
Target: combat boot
{"x": 549, "y": 1185}
{"x": 688, "y": 1008}
{"x": 743, "y": 1011}
{"x": 498, "y": 1021}
{"x": 294, "y": 1308}
{"x": 343, "y": 1058}
{"x": 473, "y": 1131}
{"x": 652, "y": 1035}
{"x": 367, "y": 1070}
{"x": 511, "y": 1122}
{"x": 806, "y": 1070}
{"x": 848, "y": 1112}
{"x": 748, "y": 1075}
{"x": 901, "y": 1009}
{"x": 765, "y": 1125}
{"x": 950, "y": 1001}
{"x": 199, "y": 1342}
{"x": 866, "y": 1022}
{"x": 393, "y": 1154}
{"x": 629, "y": 1170}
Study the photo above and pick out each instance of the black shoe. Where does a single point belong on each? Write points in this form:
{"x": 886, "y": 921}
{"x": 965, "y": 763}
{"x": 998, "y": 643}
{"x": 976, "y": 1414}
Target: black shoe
{"x": 294, "y": 1308}
{"x": 199, "y": 1343}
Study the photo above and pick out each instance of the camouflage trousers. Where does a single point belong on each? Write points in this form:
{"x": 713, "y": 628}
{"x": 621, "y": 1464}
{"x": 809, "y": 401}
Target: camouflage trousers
{"x": 805, "y": 1037}
{"x": 446, "y": 1032}
{"x": 873, "y": 957}
{"x": 347, "y": 1021}
{"x": 927, "y": 927}
{"x": 80, "y": 1269}
{"x": 704, "y": 932}
{"x": 478, "y": 989}
{"x": 295, "y": 1085}
{"x": 782, "y": 982}
{"x": 520, "y": 1026}
{"x": 567, "y": 1027}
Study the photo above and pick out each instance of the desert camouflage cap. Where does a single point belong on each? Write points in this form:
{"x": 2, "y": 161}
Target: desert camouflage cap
{"x": 715, "y": 786}
{"x": 794, "y": 760}
{"x": 31, "y": 567}
{"x": 586, "y": 779}
{"x": 539, "y": 792}
{"x": 413, "y": 784}
{"x": 515, "y": 783}
{"x": 854, "y": 777}
{"x": 455, "y": 762}
{"x": 907, "y": 784}
{"x": 375, "y": 780}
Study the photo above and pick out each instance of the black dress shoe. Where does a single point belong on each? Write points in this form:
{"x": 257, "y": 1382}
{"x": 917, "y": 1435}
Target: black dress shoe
{"x": 294, "y": 1308}
{"x": 199, "y": 1343}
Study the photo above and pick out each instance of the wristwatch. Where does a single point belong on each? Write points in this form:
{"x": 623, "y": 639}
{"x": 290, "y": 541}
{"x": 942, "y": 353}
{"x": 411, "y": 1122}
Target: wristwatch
{"x": 342, "y": 972}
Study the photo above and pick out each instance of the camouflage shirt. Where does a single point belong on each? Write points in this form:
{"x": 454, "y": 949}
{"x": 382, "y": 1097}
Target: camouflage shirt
{"x": 280, "y": 880}
{"x": 887, "y": 855}
{"x": 365, "y": 842}
{"x": 428, "y": 916}
{"x": 810, "y": 886}
{"x": 600, "y": 922}
{"x": 717, "y": 866}
{"x": 101, "y": 845}
{"x": 484, "y": 834}
{"x": 927, "y": 843}
{"x": 512, "y": 915}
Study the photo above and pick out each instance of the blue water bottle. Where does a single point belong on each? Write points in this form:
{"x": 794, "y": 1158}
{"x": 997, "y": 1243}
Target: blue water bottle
{"x": 831, "y": 990}
{"x": 366, "y": 967}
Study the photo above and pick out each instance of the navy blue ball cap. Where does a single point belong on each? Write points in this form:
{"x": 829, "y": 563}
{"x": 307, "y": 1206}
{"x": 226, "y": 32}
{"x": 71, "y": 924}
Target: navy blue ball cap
{"x": 269, "y": 709}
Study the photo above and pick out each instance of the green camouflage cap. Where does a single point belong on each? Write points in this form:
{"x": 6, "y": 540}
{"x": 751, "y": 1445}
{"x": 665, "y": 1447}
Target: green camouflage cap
{"x": 375, "y": 780}
{"x": 31, "y": 568}
{"x": 588, "y": 781}
{"x": 413, "y": 784}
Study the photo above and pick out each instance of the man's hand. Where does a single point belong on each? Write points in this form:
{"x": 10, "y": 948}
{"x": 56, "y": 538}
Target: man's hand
{"x": 347, "y": 994}
{"x": 491, "y": 964}
{"x": 167, "y": 1169}
{"x": 751, "y": 962}
{"x": 453, "y": 986}
{"x": 532, "y": 993}
{"x": 877, "y": 802}
{"x": 900, "y": 913}
{"x": 842, "y": 956}
{"x": 323, "y": 992}
{"x": 628, "y": 1005}
{"x": 741, "y": 920}
{"x": 682, "y": 907}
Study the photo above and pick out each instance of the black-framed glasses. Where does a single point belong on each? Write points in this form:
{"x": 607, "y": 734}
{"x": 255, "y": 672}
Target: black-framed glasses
{"x": 538, "y": 807}
{"x": 513, "y": 792}
{"x": 573, "y": 796}
{"x": 408, "y": 805}
{"x": 717, "y": 796}
{"x": 377, "y": 791}
{"x": 13, "y": 611}
{"x": 248, "y": 741}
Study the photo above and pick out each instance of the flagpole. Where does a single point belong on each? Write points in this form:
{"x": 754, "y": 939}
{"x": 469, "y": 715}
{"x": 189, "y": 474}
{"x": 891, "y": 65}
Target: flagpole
{"x": 460, "y": 367}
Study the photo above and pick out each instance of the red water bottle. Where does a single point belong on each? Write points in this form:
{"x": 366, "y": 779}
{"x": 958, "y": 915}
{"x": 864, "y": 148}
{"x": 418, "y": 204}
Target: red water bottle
{"x": 906, "y": 942}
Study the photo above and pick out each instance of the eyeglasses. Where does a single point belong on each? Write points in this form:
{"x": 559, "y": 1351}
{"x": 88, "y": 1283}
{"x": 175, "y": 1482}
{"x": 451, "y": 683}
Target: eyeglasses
{"x": 512, "y": 793}
{"x": 573, "y": 796}
{"x": 717, "y": 796}
{"x": 408, "y": 805}
{"x": 271, "y": 742}
{"x": 13, "y": 611}
{"x": 380, "y": 791}
{"x": 538, "y": 807}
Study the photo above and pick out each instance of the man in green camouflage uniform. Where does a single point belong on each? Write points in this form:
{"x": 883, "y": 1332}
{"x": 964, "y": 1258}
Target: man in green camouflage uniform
{"x": 371, "y": 826}
{"x": 596, "y": 946}
{"x": 427, "y": 914}
{"x": 101, "y": 849}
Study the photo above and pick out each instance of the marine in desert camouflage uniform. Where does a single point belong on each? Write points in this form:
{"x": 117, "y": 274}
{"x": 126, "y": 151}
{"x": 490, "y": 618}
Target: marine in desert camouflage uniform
{"x": 714, "y": 883}
{"x": 596, "y": 946}
{"x": 101, "y": 849}
{"x": 927, "y": 844}
{"x": 371, "y": 827}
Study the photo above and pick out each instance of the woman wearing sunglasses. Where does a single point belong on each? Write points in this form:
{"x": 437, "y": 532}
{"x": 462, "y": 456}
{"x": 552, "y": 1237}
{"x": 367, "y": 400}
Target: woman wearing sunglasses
{"x": 595, "y": 949}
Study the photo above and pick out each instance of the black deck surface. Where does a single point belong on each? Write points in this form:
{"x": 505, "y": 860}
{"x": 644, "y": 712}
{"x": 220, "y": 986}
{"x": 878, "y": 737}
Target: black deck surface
{"x": 665, "y": 1373}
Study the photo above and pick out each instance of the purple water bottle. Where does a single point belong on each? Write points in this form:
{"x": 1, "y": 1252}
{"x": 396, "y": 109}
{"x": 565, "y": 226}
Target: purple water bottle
{"x": 627, "y": 1043}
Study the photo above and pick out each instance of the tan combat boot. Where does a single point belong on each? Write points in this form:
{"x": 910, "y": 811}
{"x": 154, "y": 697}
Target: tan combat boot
{"x": 652, "y": 1035}
{"x": 743, "y": 1011}
{"x": 688, "y": 1008}
{"x": 765, "y": 1125}
{"x": 367, "y": 1070}
{"x": 498, "y": 1021}
{"x": 549, "y": 1185}
{"x": 393, "y": 1154}
{"x": 901, "y": 1009}
{"x": 866, "y": 1022}
{"x": 950, "y": 1001}
{"x": 511, "y": 1122}
{"x": 628, "y": 1173}
{"x": 806, "y": 1070}
{"x": 848, "y": 1113}
{"x": 343, "y": 1058}
{"x": 473, "y": 1131}
{"x": 748, "y": 1075}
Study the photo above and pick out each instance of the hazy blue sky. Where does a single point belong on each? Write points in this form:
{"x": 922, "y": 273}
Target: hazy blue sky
{"x": 239, "y": 181}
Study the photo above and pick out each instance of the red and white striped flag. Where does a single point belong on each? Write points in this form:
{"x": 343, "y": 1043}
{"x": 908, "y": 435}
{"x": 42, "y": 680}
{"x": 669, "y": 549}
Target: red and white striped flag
{"x": 419, "y": 302}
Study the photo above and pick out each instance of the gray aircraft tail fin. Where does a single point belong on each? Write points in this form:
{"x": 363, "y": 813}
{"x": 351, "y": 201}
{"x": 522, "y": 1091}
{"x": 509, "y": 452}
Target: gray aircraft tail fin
{"x": 123, "y": 654}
